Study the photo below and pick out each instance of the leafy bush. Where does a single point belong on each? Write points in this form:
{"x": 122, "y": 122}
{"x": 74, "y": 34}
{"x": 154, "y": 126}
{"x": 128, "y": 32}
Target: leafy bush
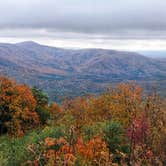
{"x": 115, "y": 139}
{"x": 14, "y": 151}
{"x": 17, "y": 108}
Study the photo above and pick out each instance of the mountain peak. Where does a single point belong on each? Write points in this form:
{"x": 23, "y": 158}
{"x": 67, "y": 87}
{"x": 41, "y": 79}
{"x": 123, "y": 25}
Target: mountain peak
{"x": 27, "y": 43}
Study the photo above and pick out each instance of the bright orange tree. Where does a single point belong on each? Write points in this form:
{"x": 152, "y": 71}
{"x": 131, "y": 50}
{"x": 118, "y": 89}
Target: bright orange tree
{"x": 124, "y": 102}
{"x": 17, "y": 108}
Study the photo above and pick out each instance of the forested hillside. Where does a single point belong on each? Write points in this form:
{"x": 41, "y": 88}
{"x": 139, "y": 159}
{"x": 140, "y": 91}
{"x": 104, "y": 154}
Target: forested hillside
{"x": 68, "y": 72}
{"x": 120, "y": 127}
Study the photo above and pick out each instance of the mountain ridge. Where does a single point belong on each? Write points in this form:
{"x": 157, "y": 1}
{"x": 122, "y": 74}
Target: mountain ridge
{"x": 59, "y": 70}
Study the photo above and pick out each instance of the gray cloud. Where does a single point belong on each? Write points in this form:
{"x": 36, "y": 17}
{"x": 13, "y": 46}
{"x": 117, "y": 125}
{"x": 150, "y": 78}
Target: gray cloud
{"x": 107, "y": 18}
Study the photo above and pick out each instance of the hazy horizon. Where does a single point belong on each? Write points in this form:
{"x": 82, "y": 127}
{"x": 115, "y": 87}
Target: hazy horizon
{"x": 123, "y": 25}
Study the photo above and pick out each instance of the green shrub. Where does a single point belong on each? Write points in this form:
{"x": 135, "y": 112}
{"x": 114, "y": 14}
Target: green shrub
{"x": 14, "y": 151}
{"x": 115, "y": 139}
{"x": 43, "y": 114}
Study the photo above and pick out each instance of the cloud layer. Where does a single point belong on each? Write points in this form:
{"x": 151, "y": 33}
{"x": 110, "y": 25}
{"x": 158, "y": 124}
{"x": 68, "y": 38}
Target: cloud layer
{"x": 88, "y": 19}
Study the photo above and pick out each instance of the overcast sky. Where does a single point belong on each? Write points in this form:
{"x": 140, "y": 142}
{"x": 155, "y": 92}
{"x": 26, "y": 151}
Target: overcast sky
{"x": 114, "y": 24}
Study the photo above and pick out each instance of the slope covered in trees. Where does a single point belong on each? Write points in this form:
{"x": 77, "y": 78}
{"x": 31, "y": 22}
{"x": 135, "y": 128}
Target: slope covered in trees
{"x": 118, "y": 127}
{"x": 62, "y": 72}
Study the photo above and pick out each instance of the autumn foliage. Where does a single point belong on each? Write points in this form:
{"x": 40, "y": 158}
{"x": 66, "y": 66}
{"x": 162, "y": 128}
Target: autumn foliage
{"x": 122, "y": 126}
{"x": 17, "y": 106}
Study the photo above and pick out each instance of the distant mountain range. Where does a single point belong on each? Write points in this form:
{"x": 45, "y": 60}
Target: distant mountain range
{"x": 67, "y": 71}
